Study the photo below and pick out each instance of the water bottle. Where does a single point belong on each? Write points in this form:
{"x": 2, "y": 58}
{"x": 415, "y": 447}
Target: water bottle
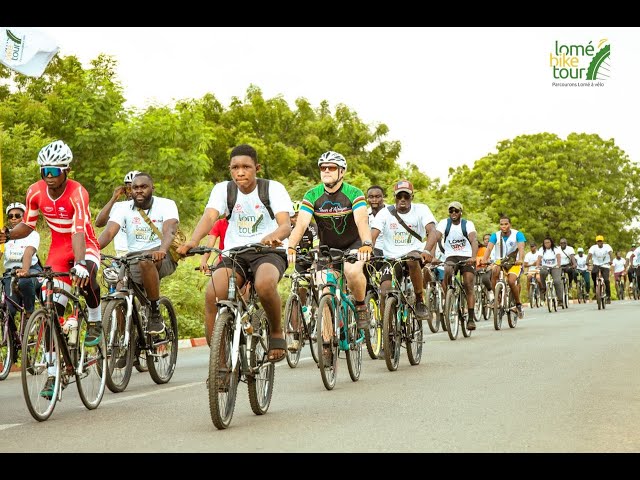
{"x": 306, "y": 313}
{"x": 246, "y": 323}
{"x": 70, "y": 328}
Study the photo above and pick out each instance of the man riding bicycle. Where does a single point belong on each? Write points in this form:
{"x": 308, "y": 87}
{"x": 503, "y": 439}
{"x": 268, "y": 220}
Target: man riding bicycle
{"x": 602, "y": 256}
{"x": 568, "y": 261}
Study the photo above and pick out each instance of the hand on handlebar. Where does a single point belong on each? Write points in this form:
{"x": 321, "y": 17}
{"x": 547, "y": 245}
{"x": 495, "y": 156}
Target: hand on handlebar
{"x": 80, "y": 275}
{"x": 364, "y": 253}
{"x": 185, "y": 247}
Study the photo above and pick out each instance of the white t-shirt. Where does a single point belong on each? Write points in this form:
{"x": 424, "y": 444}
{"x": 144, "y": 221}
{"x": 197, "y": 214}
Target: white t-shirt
{"x": 601, "y": 256}
{"x": 396, "y": 240}
{"x": 140, "y": 236}
{"x": 565, "y": 255}
{"x": 371, "y": 218}
{"x": 636, "y": 259}
{"x": 14, "y": 250}
{"x": 549, "y": 257}
{"x": 120, "y": 240}
{"x": 250, "y": 221}
{"x": 456, "y": 244}
{"x": 531, "y": 258}
{"x": 618, "y": 265}
{"x": 581, "y": 262}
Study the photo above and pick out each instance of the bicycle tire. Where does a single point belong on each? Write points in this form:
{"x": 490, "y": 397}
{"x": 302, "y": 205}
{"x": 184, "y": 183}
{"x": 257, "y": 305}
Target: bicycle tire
{"x": 260, "y": 380}
{"x": 140, "y": 355}
{"x": 373, "y": 334}
{"x": 599, "y": 296}
{"x": 451, "y": 305}
{"x": 486, "y": 309}
{"x": 114, "y": 322}
{"x": 433, "y": 320}
{"x": 163, "y": 354}
{"x": 391, "y": 334}
{"x": 464, "y": 314}
{"x": 34, "y": 371}
{"x": 291, "y": 332}
{"x": 223, "y": 378}
{"x": 354, "y": 344}
{"x": 498, "y": 310}
{"x": 326, "y": 333}
{"x": 310, "y": 328}
{"x": 512, "y": 317}
{"x": 414, "y": 337}
{"x": 91, "y": 375}
{"x": 7, "y": 346}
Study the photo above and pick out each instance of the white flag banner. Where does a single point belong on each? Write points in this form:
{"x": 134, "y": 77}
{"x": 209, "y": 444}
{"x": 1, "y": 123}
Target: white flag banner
{"x": 26, "y": 50}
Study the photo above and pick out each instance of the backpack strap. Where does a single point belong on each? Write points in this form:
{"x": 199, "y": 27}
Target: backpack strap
{"x": 463, "y": 224}
{"x": 263, "y": 194}
{"x": 392, "y": 210}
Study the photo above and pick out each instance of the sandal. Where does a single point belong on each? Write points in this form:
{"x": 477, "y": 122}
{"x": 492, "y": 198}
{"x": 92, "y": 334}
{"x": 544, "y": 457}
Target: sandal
{"x": 276, "y": 344}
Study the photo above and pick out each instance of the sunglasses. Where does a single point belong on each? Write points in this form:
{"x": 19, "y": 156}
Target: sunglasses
{"x": 454, "y": 210}
{"x": 403, "y": 195}
{"x": 328, "y": 168}
{"x": 15, "y": 215}
{"x": 53, "y": 171}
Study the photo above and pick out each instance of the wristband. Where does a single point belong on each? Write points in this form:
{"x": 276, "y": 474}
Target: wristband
{"x": 427, "y": 252}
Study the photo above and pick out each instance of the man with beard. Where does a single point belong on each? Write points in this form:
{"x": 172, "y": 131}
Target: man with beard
{"x": 141, "y": 237}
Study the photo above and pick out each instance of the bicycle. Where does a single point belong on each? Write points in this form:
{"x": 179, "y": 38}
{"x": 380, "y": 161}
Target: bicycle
{"x": 10, "y": 333}
{"x": 634, "y": 287}
{"x": 300, "y": 324}
{"x": 481, "y": 296}
{"x": 435, "y": 301}
{"x": 581, "y": 289}
{"x": 48, "y": 352}
{"x": 373, "y": 334}
{"x": 239, "y": 345}
{"x": 337, "y": 319}
{"x": 620, "y": 287}
{"x": 565, "y": 290}
{"x": 504, "y": 301}
{"x": 600, "y": 289}
{"x": 534, "y": 291}
{"x": 125, "y": 316}
{"x": 400, "y": 324}
{"x": 456, "y": 312}
{"x": 550, "y": 295}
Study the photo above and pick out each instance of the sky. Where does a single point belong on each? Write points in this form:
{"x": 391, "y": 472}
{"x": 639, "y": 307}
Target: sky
{"x": 448, "y": 94}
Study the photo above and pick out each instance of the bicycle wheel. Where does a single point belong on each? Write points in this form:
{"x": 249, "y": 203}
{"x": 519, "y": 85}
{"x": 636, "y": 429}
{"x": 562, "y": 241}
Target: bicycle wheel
{"x": 477, "y": 295}
{"x": 620, "y": 290}
{"x": 433, "y": 320}
{"x": 91, "y": 369}
{"x": 512, "y": 313}
{"x": 413, "y": 337}
{"x": 223, "y": 376}
{"x": 163, "y": 354}
{"x": 580, "y": 291}
{"x": 498, "y": 306}
{"x": 119, "y": 355}
{"x": 260, "y": 380}
{"x": 327, "y": 341}
{"x": 355, "y": 338}
{"x": 7, "y": 346}
{"x": 373, "y": 334}
{"x": 293, "y": 320}
{"x": 140, "y": 355}
{"x": 391, "y": 333}
{"x": 486, "y": 309}
{"x": 451, "y": 310}
{"x": 599, "y": 296}
{"x": 39, "y": 347}
{"x": 310, "y": 328}
{"x": 565, "y": 294}
{"x": 532, "y": 295}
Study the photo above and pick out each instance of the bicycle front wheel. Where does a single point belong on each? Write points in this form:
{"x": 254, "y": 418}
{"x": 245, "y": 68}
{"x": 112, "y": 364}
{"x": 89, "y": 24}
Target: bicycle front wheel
{"x": 119, "y": 355}
{"x": 373, "y": 334}
{"x": 512, "y": 313}
{"x": 163, "y": 354}
{"x": 327, "y": 342}
{"x": 39, "y": 364}
{"x": 498, "y": 308}
{"x": 91, "y": 369}
{"x": 413, "y": 338}
{"x": 391, "y": 333}
{"x": 293, "y": 319}
{"x": 223, "y": 378}
{"x": 355, "y": 337}
{"x": 7, "y": 346}
{"x": 260, "y": 380}
{"x": 451, "y": 307}
{"x": 463, "y": 316}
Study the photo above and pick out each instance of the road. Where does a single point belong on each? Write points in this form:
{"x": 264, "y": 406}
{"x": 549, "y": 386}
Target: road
{"x": 559, "y": 382}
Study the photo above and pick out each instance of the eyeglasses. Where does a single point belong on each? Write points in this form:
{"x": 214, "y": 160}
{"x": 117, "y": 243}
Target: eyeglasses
{"x": 328, "y": 168}
{"x": 53, "y": 171}
{"x": 403, "y": 195}
{"x": 454, "y": 210}
{"x": 15, "y": 215}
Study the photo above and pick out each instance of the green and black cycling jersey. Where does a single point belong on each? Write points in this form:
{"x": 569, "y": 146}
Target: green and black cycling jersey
{"x": 333, "y": 213}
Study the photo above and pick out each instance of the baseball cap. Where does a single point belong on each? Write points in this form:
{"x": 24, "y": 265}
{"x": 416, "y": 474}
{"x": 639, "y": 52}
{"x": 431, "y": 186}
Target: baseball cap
{"x": 533, "y": 244}
{"x": 403, "y": 186}
{"x": 599, "y": 238}
{"x": 580, "y": 250}
{"x": 457, "y": 205}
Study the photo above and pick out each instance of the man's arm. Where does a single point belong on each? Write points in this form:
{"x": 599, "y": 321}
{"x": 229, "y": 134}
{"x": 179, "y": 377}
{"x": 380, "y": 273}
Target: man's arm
{"x": 304, "y": 219}
{"x": 108, "y": 233}
{"x": 361, "y": 218}
{"x": 485, "y": 257}
{"x": 103, "y": 215}
{"x": 275, "y": 238}
{"x": 374, "y": 235}
{"x": 473, "y": 238}
{"x": 204, "y": 226}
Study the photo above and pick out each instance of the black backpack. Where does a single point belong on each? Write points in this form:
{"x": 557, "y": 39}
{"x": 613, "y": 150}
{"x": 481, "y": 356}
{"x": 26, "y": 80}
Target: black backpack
{"x": 263, "y": 193}
{"x": 463, "y": 224}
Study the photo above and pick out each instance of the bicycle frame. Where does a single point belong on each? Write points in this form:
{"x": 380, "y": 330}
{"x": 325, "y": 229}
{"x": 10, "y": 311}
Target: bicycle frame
{"x": 335, "y": 288}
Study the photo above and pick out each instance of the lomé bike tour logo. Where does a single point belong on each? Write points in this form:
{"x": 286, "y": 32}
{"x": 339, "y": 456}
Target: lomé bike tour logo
{"x": 580, "y": 64}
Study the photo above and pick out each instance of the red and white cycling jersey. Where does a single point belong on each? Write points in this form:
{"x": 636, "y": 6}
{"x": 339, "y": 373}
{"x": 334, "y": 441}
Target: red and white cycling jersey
{"x": 66, "y": 215}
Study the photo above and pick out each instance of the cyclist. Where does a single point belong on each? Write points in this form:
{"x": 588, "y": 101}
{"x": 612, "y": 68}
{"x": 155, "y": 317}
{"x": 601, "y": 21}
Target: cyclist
{"x": 631, "y": 271}
{"x": 530, "y": 263}
{"x": 120, "y": 240}
{"x": 602, "y": 256}
{"x": 375, "y": 199}
{"x": 404, "y": 237}
{"x": 141, "y": 237}
{"x": 619, "y": 267}
{"x": 22, "y": 255}
{"x": 485, "y": 273}
{"x": 458, "y": 247}
{"x": 568, "y": 261}
{"x": 64, "y": 204}
{"x": 249, "y": 222}
{"x": 217, "y": 233}
{"x": 582, "y": 268}
{"x": 341, "y": 215}
{"x": 549, "y": 261}
{"x": 510, "y": 243}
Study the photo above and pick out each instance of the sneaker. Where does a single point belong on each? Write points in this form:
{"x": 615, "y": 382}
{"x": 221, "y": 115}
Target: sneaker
{"x": 363, "y": 319}
{"x": 490, "y": 299}
{"x": 94, "y": 334}
{"x": 47, "y": 390}
{"x": 155, "y": 325}
{"x": 520, "y": 312}
{"x": 471, "y": 325}
{"x": 421, "y": 310}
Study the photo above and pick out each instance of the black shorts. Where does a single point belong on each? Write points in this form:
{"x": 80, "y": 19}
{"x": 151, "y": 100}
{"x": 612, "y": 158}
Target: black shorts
{"x": 461, "y": 268}
{"x": 249, "y": 262}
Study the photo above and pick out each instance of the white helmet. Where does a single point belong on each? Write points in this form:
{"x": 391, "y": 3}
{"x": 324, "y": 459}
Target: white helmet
{"x": 56, "y": 154}
{"x": 333, "y": 157}
{"x": 16, "y": 205}
{"x": 128, "y": 178}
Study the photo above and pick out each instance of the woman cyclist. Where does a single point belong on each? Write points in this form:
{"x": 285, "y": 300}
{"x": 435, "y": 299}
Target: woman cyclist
{"x": 549, "y": 260}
